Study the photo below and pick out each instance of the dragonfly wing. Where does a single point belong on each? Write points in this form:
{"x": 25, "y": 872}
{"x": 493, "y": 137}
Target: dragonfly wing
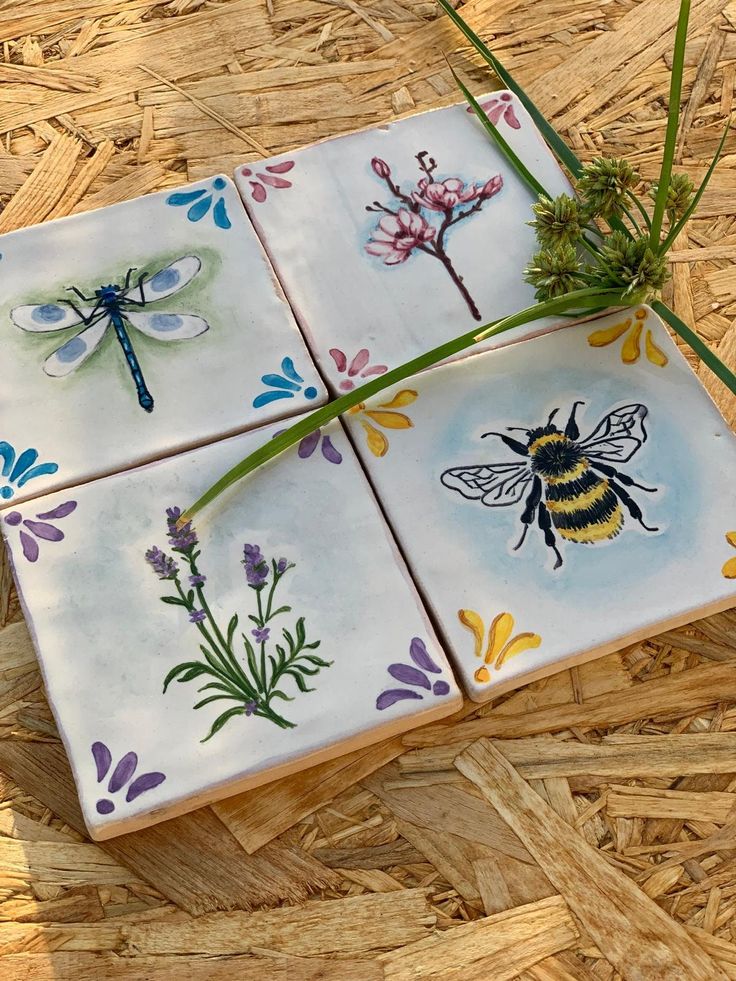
{"x": 77, "y": 349}
{"x": 168, "y": 280}
{"x": 168, "y": 326}
{"x": 45, "y": 317}
{"x": 496, "y": 485}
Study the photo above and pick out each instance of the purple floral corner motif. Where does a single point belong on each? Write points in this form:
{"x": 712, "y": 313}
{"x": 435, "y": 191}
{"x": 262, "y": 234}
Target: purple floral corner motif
{"x": 309, "y": 444}
{"x": 121, "y": 777}
{"x": 417, "y": 675}
{"x": 33, "y": 531}
{"x": 500, "y": 107}
{"x": 271, "y": 178}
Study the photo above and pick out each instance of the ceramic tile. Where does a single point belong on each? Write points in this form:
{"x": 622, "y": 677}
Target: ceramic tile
{"x": 216, "y": 351}
{"x": 391, "y": 241}
{"x": 559, "y": 498}
{"x": 288, "y": 617}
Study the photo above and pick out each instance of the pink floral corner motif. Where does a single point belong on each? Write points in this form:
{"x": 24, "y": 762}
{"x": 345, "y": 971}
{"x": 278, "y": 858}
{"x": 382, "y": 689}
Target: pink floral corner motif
{"x": 358, "y": 366}
{"x": 500, "y": 107}
{"x": 261, "y": 183}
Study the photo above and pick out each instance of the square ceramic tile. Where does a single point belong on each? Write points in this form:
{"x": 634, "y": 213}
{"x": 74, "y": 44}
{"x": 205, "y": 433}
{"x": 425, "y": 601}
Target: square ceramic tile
{"x": 194, "y": 341}
{"x": 391, "y": 241}
{"x": 289, "y": 632}
{"x": 558, "y": 498}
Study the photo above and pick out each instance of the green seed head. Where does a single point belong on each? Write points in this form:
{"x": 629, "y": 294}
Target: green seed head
{"x": 603, "y": 184}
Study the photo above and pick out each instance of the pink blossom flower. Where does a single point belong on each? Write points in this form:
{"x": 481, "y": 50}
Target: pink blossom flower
{"x": 491, "y": 187}
{"x": 499, "y": 106}
{"x": 398, "y": 235}
{"x": 380, "y": 168}
{"x": 258, "y": 191}
{"x": 360, "y": 365}
{"x": 444, "y": 195}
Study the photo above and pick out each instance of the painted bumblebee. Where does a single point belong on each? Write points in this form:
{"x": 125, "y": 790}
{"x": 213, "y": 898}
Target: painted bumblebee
{"x": 568, "y": 485}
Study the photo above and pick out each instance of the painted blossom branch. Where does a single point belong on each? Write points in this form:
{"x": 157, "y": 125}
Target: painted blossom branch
{"x": 406, "y": 229}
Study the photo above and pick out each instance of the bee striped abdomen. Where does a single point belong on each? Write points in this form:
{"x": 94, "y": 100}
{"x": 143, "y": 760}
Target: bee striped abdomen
{"x": 581, "y": 504}
{"x": 584, "y": 509}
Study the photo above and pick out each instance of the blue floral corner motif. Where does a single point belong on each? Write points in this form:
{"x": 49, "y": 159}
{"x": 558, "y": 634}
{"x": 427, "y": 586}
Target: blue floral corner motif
{"x": 284, "y": 386}
{"x": 18, "y": 468}
{"x": 200, "y": 202}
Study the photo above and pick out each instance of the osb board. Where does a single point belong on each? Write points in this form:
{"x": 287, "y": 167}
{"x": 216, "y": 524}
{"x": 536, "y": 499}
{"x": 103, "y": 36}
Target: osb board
{"x": 575, "y": 838}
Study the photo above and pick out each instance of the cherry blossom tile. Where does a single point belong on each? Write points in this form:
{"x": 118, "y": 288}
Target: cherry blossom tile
{"x": 558, "y": 498}
{"x": 186, "y": 665}
{"x": 391, "y": 241}
{"x": 195, "y": 341}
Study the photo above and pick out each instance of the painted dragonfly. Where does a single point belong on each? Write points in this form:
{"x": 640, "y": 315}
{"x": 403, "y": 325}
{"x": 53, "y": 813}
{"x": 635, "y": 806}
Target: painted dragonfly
{"x": 121, "y": 306}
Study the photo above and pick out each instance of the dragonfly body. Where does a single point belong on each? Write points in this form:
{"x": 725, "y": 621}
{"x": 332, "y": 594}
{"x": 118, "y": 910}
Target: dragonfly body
{"x": 110, "y": 299}
{"x": 121, "y": 307}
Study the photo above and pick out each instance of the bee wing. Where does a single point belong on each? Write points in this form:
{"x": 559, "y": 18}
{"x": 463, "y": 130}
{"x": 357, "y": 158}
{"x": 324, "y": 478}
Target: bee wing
{"x": 166, "y": 281}
{"x": 496, "y": 485}
{"x": 45, "y": 317}
{"x": 76, "y": 350}
{"x": 618, "y": 435}
{"x": 168, "y": 326}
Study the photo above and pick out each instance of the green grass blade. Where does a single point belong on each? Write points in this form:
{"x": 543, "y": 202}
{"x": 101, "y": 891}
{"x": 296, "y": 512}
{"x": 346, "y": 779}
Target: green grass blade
{"x": 504, "y": 147}
{"x": 580, "y": 299}
{"x": 719, "y": 369}
{"x": 678, "y": 227}
{"x": 558, "y": 146}
{"x": 673, "y": 118}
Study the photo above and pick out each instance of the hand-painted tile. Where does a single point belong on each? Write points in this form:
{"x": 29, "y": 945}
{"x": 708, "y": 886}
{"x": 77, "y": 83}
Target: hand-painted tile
{"x": 187, "y": 662}
{"x": 390, "y": 241}
{"x": 137, "y": 331}
{"x": 537, "y": 488}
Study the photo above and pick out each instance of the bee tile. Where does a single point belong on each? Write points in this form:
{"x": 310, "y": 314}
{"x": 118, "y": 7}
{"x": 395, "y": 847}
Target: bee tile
{"x": 136, "y": 331}
{"x": 558, "y": 498}
{"x": 185, "y": 664}
{"x": 393, "y": 240}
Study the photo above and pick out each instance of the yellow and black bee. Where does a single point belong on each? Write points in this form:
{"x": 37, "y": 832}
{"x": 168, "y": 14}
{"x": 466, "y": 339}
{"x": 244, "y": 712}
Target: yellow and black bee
{"x": 567, "y": 484}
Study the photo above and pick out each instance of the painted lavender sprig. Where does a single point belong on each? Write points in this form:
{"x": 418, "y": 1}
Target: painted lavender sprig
{"x": 251, "y": 684}
{"x": 408, "y": 224}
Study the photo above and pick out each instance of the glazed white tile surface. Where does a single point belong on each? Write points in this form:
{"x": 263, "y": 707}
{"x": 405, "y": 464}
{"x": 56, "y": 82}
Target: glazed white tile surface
{"x": 309, "y": 208}
{"x": 106, "y": 641}
{"x": 90, "y": 421}
{"x": 461, "y": 552}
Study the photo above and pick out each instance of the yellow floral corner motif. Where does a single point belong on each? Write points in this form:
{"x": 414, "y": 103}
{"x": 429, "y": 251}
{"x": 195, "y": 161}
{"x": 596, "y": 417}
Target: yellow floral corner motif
{"x": 631, "y": 330}
{"x": 500, "y": 645}
{"x": 386, "y": 417}
{"x": 729, "y": 567}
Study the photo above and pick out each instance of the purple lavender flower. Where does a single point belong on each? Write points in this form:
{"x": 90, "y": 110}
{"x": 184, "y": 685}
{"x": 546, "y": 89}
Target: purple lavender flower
{"x": 197, "y": 616}
{"x": 162, "y": 564}
{"x": 250, "y": 707}
{"x": 261, "y": 634}
{"x": 256, "y": 567}
{"x": 181, "y": 539}
{"x": 197, "y": 580}
{"x": 282, "y": 566}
